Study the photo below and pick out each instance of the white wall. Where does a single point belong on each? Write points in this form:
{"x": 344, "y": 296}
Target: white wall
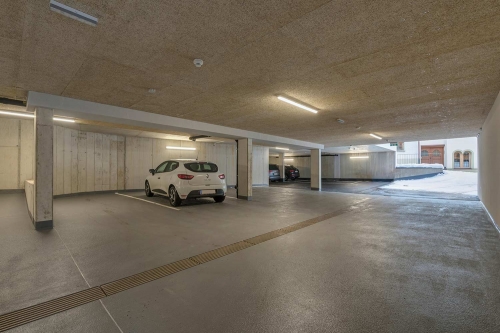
{"x": 87, "y": 162}
{"x": 260, "y": 165}
{"x": 450, "y": 146}
{"x": 16, "y": 152}
{"x": 489, "y": 162}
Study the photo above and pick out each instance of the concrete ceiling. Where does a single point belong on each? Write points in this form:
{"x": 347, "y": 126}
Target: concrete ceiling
{"x": 406, "y": 70}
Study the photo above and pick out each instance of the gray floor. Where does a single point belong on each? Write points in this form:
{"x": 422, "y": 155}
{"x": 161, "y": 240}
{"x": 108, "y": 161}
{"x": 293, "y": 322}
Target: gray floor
{"x": 372, "y": 188}
{"x": 392, "y": 264}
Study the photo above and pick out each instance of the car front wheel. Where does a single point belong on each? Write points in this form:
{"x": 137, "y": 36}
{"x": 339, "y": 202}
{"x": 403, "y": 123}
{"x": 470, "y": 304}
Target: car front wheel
{"x": 174, "y": 198}
{"x": 147, "y": 189}
{"x": 220, "y": 198}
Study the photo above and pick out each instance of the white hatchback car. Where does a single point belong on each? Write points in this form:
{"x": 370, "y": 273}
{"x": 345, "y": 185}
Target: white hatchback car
{"x": 179, "y": 180}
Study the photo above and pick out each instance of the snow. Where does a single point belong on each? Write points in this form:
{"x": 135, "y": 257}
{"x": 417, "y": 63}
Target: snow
{"x": 428, "y": 166}
{"x": 447, "y": 182}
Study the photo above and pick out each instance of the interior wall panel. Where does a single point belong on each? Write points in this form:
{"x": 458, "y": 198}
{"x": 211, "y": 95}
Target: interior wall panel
{"x": 9, "y": 153}
{"x": 26, "y": 151}
{"x": 260, "y": 165}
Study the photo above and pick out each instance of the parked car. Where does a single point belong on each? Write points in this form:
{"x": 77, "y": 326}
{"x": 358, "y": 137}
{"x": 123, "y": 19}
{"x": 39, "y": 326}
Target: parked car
{"x": 274, "y": 173}
{"x": 291, "y": 172}
{"x": 180, "y": 180}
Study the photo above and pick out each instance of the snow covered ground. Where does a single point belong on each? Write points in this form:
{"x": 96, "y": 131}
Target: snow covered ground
{"x": 449, "y": 182}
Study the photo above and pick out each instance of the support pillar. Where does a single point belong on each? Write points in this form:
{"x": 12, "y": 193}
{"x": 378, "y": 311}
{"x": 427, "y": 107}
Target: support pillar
{"x": 316, "y": 169}
{"x": 43, "y": 169}
{"x": 281, "y": 166}
{"x": 245, "y": 152}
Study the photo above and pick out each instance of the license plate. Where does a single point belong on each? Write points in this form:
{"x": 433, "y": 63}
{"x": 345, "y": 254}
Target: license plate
{"x": 207, "y": 191}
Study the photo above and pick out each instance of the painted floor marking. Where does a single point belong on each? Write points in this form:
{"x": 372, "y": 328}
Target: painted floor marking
{"x": 151, "y": 202}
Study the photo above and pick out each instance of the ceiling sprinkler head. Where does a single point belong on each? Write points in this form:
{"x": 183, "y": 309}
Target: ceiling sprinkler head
{"x": 198, "y": 62}
{"x": 340, "y": 121}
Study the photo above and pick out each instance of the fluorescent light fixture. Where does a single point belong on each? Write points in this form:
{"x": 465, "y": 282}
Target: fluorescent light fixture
{"x": 359, "y": 156}
{"x": 32, "y": 115}
{"x": 289, "y": 101}
{"x": 281, "y": 148}
{"x": 288, "y": 159}
{"x": 72, "y": 13}
{"x": 18, "y": 114}
{"x": 376, "y": 136}
{"x": 64, "y": 119}
{"x": 181, "y": 148}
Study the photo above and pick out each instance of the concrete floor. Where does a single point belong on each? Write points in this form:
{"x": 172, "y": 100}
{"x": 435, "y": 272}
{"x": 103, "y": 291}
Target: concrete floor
{"x": 391, "y": 264}
{"x": 372, "y": 188}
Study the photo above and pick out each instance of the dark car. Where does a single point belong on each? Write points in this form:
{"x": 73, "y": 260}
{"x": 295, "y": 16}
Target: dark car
{"x": 291, "y": 172}
{"x": 274, "y": 173}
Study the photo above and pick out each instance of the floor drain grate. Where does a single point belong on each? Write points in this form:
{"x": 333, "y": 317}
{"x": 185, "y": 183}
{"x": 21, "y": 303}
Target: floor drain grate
{"x": 220, "y": 252}
{"x": 147, "y": 276}
{"x": 49, "y": 308}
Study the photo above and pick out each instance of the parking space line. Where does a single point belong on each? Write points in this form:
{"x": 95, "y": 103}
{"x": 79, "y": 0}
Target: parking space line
{"x": 151, "y": 202}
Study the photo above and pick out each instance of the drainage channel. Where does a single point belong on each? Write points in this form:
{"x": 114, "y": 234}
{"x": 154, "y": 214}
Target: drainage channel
{"x": 46, "y": 309}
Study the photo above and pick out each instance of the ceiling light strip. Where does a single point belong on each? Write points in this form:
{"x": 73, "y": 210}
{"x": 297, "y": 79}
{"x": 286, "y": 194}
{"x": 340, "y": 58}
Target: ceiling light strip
{"x": 289, "y": 101}
{"x": 376, "y": 136}
{"x": 72, "y": 13}
{"x": 32, "y": 115}
{"x": 181, "y": 148}
{"x": 360, "y": 156}
{"x": 281, "y": 148}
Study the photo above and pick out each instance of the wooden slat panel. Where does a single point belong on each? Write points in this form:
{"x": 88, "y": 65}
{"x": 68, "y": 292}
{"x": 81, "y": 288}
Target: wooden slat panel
{"x": 67, "y": 161}
{"x": 90, "y": 162}
{"x": 74, "y": 161}
{"x": 105, "y": 162}
{"x": 113, "y": 161}
{"x": 82, "y": 162}
{"x": 98, "y": 162}
{"x": 27, "y": 151}
{"x": 120, "y": 171}
{"x": 59, "y": 155}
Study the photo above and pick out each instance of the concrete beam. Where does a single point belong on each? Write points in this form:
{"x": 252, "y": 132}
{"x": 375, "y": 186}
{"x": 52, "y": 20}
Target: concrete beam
{"x": 75, "y": 108}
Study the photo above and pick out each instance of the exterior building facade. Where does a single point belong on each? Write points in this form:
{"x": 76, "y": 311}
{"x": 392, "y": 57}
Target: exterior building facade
{"x": 452, "y": 153}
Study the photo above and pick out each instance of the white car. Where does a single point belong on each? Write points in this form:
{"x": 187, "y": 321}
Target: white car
{"x": 179, "y": 180}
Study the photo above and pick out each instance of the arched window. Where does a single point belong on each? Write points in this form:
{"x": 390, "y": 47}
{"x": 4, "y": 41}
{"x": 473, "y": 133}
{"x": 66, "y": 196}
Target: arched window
{"x": 425, "y": 153}
{"x": 456, "y": 159}
{"x": 436, "y": 153}
{"x": 467, "y": 156}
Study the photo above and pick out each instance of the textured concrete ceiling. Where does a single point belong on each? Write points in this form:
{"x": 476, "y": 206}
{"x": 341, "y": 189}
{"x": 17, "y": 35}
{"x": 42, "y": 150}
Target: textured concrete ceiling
{"x": 406, "y": 70}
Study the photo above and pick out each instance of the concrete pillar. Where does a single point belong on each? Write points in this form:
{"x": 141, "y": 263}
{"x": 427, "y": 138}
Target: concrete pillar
{"x": 43, "y": 169}
{"x": 245, "y": 151}
{"x": 281, "y": 165}
{"x": 316, "y": 169}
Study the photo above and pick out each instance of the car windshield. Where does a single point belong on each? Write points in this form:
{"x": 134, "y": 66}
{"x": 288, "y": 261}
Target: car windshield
{"x": 201, "y": 167}
{"x": 273, "y": 167}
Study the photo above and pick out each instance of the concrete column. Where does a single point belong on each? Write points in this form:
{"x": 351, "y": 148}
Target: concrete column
{"x": 245, "y": 151}
{"x": 316, "y": 169}
{"x": 281, "y": 165}
{"x": 43, "y": 169}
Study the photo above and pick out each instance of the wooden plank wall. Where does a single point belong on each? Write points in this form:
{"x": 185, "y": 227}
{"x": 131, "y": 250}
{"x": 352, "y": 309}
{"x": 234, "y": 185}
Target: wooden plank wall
{"x": 260, "y": 165}
{"x": 16, "y": 152}
{"x": 86, "y": 162}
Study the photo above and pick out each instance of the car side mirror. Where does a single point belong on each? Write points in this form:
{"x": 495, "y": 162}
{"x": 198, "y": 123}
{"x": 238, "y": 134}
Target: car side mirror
{"x": 152, "y": 171}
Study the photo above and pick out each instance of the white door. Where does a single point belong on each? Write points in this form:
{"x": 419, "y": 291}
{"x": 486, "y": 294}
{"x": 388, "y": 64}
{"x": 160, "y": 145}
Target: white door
{"x": 155, "y": 182}
{"x": 169, "y": 175}
{"x": 336, "y": 167}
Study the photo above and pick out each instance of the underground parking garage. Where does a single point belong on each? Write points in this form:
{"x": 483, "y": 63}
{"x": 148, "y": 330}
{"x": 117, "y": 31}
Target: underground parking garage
{"x": 136, "y": 145}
